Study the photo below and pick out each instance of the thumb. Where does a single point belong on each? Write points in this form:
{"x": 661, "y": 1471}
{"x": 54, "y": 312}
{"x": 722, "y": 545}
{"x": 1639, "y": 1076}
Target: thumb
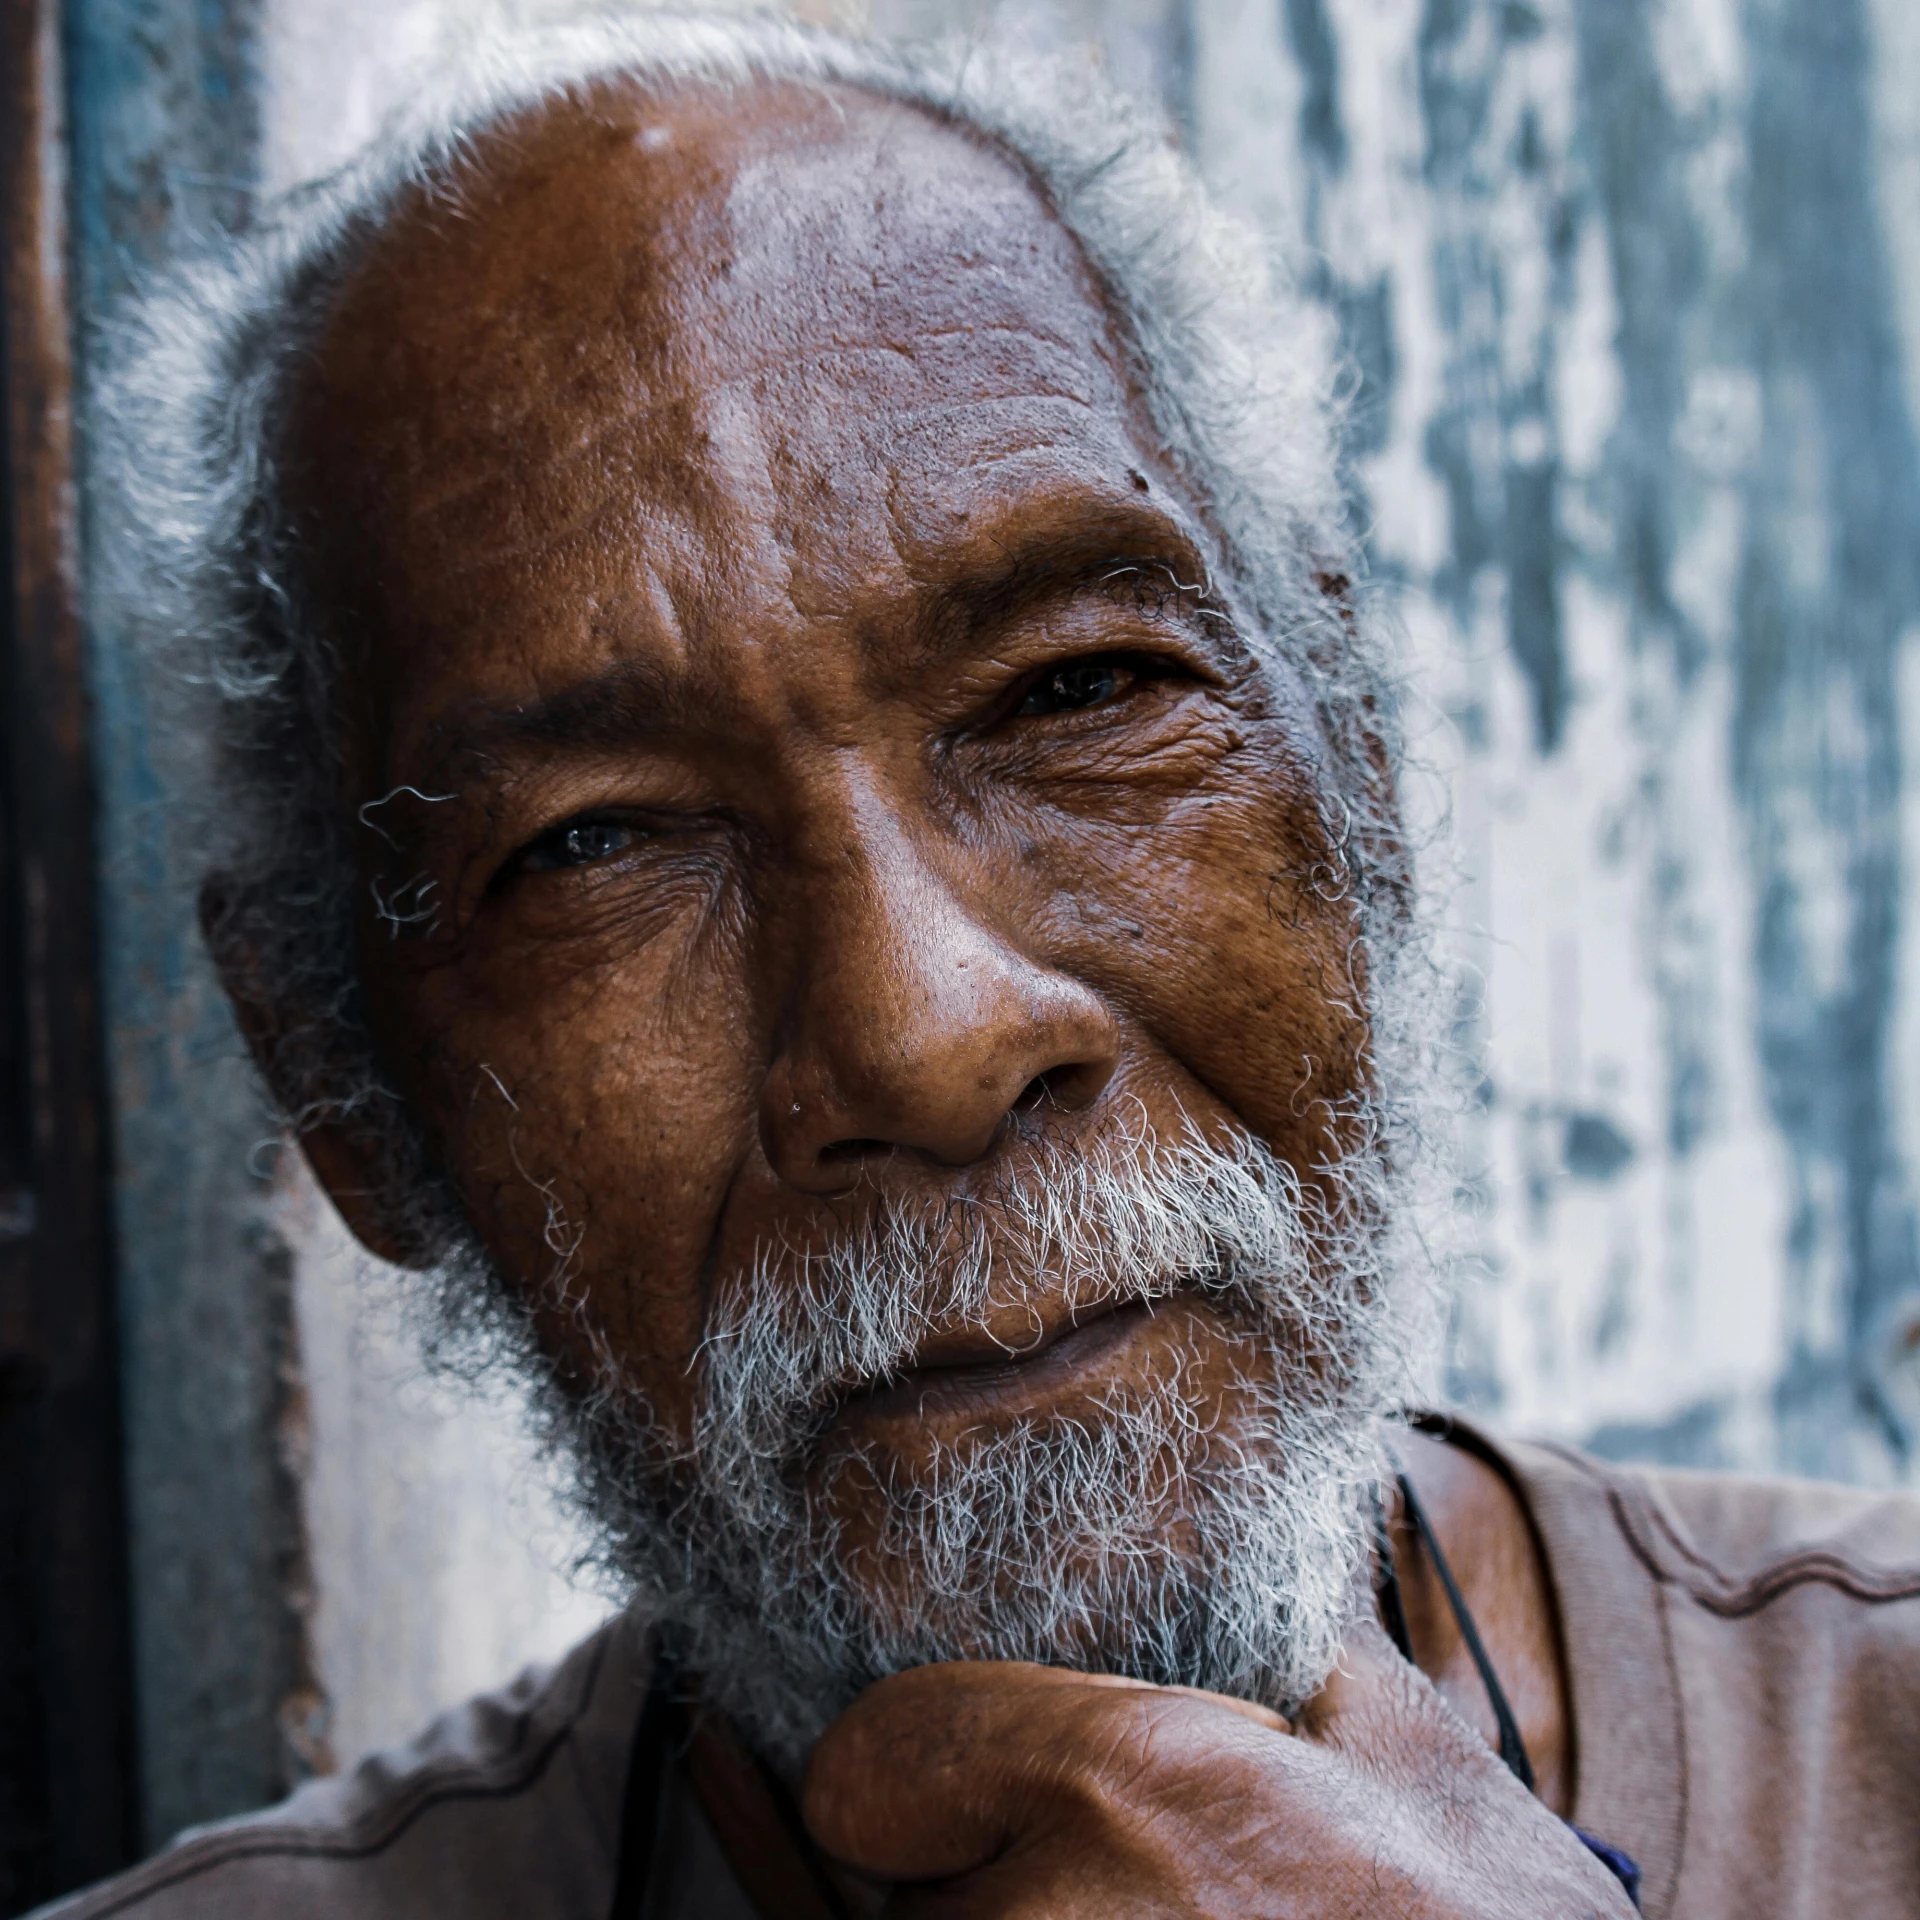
{"x": 1370, "y": 1677}
{"x": 1374, "y": 1704}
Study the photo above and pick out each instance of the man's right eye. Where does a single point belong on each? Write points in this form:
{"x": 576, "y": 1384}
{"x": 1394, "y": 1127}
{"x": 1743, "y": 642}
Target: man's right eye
{"x": 578, "y": 844}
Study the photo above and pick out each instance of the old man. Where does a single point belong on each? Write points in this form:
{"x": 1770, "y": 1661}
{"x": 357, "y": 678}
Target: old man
{"x": 808, "y": 829}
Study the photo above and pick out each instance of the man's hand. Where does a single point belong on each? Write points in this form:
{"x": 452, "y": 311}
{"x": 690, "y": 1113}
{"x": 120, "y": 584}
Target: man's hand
{"x": 995, "y": 1789}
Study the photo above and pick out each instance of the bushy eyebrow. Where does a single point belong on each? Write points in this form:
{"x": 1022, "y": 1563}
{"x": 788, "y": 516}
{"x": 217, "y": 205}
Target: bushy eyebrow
{"x": 1111, "y": 543}
{"x": 602, "y": 711}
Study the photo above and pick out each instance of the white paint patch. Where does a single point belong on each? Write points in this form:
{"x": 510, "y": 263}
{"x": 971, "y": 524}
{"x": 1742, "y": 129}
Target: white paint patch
{"x": 441, "y": 1559}
{"x": 1587, "y": 382}
{"x": 1249, "y": 93}
{"x": 331, "y": 74}
{"x": 1698, "y": 47}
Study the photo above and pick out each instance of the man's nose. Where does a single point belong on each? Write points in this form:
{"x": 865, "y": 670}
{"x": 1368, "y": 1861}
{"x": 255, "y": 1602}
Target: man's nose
{"x": 918, "y": 1026}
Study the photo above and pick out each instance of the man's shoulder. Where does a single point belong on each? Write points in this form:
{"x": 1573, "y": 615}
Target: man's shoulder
{"x": 1738, "y": 1544}
{"x": 507, "y": 1805}
{"x": 1743, "y": 1660}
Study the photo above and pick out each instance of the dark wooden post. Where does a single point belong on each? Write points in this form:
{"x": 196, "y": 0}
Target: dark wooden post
{"x": 67, "y": 1809}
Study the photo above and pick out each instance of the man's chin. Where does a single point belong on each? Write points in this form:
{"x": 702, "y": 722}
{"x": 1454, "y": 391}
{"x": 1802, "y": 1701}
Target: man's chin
{"x": 1122, "y": 1530}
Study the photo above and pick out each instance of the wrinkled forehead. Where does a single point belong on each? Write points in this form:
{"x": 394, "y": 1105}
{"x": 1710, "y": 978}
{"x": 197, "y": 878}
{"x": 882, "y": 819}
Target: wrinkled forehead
{"x": 619, "y": 262}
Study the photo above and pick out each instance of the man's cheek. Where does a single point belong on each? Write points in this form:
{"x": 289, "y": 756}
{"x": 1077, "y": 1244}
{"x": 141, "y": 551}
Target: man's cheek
{"x": 1284, "y": 1045}
{"x": 594, "y": 1130}
{"x": 1214, "y": 939}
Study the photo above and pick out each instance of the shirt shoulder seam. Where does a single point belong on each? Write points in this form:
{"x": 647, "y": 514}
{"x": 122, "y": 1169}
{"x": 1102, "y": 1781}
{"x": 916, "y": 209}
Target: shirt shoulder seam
{"x": 364, "y": 1839}
{"x": 1664, "y": 1550}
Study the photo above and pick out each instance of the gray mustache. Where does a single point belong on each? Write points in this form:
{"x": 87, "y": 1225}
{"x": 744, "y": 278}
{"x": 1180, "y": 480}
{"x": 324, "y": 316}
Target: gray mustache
{"x": 1120, "y": 1218}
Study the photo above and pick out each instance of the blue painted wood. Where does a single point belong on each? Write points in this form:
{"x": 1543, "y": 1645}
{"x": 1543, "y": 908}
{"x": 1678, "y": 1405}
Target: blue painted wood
{"x": 164, "y": 117}
{"x": 1621, "y": 283}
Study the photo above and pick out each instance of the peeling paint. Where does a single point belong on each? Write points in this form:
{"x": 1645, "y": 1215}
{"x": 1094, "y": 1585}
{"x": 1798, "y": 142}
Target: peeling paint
{"x": 1653, "y": 337}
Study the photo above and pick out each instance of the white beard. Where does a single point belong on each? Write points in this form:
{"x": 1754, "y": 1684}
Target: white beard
{"x": 1147, "y": 1534}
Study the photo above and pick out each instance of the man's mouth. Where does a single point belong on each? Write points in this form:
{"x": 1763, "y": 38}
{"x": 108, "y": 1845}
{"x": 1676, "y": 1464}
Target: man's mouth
{"x": 976, "y": 1379}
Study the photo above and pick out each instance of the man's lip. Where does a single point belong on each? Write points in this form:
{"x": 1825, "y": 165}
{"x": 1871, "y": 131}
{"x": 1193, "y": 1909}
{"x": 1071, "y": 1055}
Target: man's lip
{"x": 978, "y": 1376}
{"x": 980, "y": 1347}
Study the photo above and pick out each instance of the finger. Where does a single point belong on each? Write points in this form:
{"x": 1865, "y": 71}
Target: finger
{"x": 939, "y": 1770}
{"x": 918, "y": 1778}
{"x": 1384, "y": 1717}
{"x": 1375, "y": 1703}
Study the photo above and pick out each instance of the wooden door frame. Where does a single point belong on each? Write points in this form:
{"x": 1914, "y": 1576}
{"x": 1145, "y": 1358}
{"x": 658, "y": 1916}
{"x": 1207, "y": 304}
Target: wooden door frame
{"x": 67, "y": 1794}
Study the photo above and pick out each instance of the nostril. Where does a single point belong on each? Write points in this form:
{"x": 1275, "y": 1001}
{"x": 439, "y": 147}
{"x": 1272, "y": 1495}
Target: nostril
{"x": 1039, "y": 1090}
{"x": 1064, "y": 1089}
{"x": 844, "y": 1153}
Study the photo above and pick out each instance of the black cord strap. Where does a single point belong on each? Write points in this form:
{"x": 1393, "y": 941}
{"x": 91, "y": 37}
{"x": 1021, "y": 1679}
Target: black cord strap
{"x": 1386, "y": 1582}
{"x": 1393, "y": 1616}
{"x": 654, "y": 1737}
{"x": 748, "y": 1807}
{"x": 1513, "y": 1749}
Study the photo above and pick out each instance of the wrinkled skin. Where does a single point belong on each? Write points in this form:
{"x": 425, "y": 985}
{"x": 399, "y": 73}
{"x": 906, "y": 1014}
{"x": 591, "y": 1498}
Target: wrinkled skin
{"x": 741, "y": 512}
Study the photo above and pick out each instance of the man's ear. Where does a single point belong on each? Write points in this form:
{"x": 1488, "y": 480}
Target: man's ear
{"x": 345, "y": 1160}
{"x": 344, "y": 1165}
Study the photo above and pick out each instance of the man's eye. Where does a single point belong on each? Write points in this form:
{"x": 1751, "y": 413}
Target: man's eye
{"x": 1083, "y": 683}
{"x": 578, "y": 844}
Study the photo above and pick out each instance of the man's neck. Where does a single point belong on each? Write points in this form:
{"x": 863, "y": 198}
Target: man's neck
{"x": 1495, "y": 1557}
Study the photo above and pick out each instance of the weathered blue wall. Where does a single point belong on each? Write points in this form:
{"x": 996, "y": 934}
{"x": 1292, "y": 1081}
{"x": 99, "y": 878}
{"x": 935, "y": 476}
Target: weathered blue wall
{"x": 165, "y": 124}
{"x": 1635, "y": 432}
{"x": 1817, "y": 747}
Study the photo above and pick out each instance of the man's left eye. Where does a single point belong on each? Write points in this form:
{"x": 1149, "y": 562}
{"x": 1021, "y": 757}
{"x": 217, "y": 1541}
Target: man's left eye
{"x": 1081, "y": 683}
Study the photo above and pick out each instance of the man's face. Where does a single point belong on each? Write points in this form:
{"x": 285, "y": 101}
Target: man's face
{"x": 809, "y": 780}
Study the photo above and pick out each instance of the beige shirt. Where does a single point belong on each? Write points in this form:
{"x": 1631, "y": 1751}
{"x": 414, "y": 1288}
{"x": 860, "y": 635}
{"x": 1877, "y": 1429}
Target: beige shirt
{"x": 1745, "y": 1662}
